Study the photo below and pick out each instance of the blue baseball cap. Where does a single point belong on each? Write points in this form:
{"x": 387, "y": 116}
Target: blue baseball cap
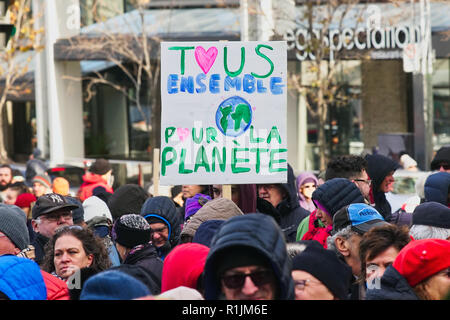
{"x": 360, "y": 216}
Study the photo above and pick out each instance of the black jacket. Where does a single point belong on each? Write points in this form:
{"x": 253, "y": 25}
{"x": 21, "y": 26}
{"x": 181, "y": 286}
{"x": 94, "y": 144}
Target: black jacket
{"x": 145, "y": 265}
{"x": 393, "y": 286}
{"x": 258, "y": 232}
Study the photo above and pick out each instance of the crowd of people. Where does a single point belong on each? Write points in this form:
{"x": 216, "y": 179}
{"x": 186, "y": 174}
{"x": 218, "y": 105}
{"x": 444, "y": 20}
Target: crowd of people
{"x": 332, "y": 236}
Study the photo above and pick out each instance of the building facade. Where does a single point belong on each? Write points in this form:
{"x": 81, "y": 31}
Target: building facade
{"x": 378, "y": 105}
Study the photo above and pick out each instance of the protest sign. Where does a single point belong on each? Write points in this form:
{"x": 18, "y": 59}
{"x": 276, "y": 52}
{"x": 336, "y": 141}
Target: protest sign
{"x": 223, "y": 115}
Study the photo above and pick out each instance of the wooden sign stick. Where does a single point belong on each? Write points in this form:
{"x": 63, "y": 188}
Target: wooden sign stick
{"x": 156, "y": 172}
{"x": 226, "y": 191}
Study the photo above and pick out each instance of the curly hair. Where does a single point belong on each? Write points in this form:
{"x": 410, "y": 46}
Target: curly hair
{"x": 347, "y": 166}
{"x": 379, "y": 239}
{"x": 92, "y": 244}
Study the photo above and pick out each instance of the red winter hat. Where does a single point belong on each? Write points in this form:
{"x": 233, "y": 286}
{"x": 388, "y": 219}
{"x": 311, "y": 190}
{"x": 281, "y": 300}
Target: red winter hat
{"x": 24, "y": 200}
{"x": 420, "y": 259}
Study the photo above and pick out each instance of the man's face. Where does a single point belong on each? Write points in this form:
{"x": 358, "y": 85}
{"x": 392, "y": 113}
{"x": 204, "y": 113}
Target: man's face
{"x": 363, "y": 183}
{"x": 388, "y": 183}
{"x": 376, "y": 267}
{"x": 249, "y": 283}
{"x": 349, "y": 248}
{"x": 5, "y": 176}
{"x": 271, "y": 192}
{"x": 160, "y": 234}
{"x": 39, "y": 189}
{"x": 7, "y": 246}
{"x": 50, "y": 222}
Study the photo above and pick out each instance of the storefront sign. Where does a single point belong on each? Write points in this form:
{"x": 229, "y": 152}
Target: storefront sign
{"x": 388, "y": 38}
{"x": 223, "y": 115}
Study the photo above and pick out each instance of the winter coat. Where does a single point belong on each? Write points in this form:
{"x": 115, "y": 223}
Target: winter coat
{"x": 163, "y": 208}
{"x": 149, "y": 265}
{"x": 393, "y": 287}
{"x": 258, "y": 232}
{"x": 317, "y": 231}
{"x": 378, "y": 167}
{"x": 436, "y": 187}
{"x": 21, "y": 279}
{"x": 183, "y": 266}
{"x": 56, "y": 288}
{"x": 216, "y": 209}
{"x": 331, "y": 196}
{"x": 302, "y": 177}
{"x": 92, "y": 181}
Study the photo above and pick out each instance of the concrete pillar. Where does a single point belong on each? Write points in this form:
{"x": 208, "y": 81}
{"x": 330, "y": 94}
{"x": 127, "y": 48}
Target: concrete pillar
{"x": 59, "y": 105}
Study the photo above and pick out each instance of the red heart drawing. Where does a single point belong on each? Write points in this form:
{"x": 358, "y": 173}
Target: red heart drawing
{"x": 182, "y": 133}
{"x": 205, "y": 59}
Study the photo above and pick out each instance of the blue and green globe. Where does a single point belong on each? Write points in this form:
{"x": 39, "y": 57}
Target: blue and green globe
{"x": 234, "y": 116}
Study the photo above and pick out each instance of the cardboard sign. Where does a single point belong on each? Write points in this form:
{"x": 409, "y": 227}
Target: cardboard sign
{"x": 223, "y": 112}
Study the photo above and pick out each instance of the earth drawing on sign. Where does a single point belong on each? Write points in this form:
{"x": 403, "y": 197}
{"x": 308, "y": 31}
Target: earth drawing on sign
{"x": 234, "y": 116}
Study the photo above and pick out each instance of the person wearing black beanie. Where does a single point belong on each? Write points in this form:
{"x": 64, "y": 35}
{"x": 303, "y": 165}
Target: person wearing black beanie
{"x": 381, "y": 169}
{"x": 319, "y": 275}
{"x": 127, "y": 199}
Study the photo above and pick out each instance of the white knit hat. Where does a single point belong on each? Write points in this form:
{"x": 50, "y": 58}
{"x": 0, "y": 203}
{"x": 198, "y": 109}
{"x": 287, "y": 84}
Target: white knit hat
{"x": 407, "y": 162}
{"x": 95, "y": 207}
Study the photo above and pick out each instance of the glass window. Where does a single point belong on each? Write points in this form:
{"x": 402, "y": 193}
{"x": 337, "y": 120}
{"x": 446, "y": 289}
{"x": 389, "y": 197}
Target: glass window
{"x": 94, "y": 11}
{"x": 441, "y": 102}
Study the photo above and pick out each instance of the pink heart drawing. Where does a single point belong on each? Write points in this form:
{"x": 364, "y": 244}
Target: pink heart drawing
{"x": 182, "y": 133}
{"x": 205, "y": 59}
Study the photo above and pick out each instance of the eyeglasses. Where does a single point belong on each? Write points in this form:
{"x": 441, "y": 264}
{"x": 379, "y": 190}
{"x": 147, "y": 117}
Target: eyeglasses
{"x": 301, "y": 284}
{"x": 74, "y": 227}
{"x": 53, "y": 217}
{"x": 237, "y": 280}
{"x": 369, "y": 182}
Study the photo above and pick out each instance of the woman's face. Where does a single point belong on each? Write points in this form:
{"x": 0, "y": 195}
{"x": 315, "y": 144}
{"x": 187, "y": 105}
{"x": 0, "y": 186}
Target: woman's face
{"x": 191, "y": 190}
{"x": 438, "y": 286}
{"x": 307, "y": 189}
{"x": 70, "y": 256}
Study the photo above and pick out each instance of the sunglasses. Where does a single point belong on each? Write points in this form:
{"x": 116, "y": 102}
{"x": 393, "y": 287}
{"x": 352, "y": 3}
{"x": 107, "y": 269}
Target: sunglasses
{"x": 237, "y": 280}
{"x": 445, "y": 166}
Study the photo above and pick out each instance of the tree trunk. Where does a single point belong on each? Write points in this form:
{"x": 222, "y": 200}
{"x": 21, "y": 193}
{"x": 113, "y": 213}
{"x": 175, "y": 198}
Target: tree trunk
{"x": 3, "y": 153}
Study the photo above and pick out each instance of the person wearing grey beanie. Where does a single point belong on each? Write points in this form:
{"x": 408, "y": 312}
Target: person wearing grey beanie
{"x": 13, "y": 225}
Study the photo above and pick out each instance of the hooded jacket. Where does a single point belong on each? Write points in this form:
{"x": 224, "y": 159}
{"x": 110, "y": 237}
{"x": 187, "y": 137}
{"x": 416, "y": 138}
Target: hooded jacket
{"x": 437, "y": 187}
{"x": 92, "y": 181}
{"x": 216, "y": 209}
{"x": 393, "y": 287}
{"x": 21, "y": 279}
{"x": 302, "y": 177}
{"x": 183, "y": 266}
{"x": 288, "y": 213}
{"x": 378, "y": 167}
{"x": 163, "y": 208}
{"x": 257, "y": 232}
